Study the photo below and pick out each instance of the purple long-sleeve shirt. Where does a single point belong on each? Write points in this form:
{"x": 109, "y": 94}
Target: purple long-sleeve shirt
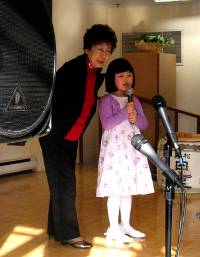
{"x": 111, "y": 114}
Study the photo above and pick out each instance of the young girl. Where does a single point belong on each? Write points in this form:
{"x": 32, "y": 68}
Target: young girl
{"x": 122, "y": 170}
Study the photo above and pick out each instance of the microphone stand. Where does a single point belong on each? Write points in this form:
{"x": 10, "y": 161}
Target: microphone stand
{"x": 169, "y": 196}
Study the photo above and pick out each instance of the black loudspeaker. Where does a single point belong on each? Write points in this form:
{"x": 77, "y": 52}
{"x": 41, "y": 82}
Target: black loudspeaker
{"x": 27, "y": 69}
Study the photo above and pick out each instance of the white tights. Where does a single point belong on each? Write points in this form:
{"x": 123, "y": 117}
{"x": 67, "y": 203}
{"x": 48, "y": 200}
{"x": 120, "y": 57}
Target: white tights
{"x": 119, "y": 205}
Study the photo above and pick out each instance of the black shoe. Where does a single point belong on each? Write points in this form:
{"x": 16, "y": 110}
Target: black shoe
{"x": 53, "y": 238}
{"x": 77, "y": 244}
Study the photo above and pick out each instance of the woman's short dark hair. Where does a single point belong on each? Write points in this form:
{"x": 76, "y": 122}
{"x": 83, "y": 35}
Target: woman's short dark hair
{"x": 99, "y": 33}
{"x": 116, "y": 66}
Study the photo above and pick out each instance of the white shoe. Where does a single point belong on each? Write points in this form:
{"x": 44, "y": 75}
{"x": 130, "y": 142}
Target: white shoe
{"x": 118, "y": 236}
{"x": 131, "y": 232}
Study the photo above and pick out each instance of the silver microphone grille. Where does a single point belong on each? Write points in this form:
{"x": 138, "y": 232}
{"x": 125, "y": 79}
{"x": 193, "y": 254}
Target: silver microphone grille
{"x": 138, "y": 140}
{"x": 129, "y": 91}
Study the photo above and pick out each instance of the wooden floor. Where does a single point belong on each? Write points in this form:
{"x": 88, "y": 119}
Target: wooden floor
{"x": 23, "y": 212}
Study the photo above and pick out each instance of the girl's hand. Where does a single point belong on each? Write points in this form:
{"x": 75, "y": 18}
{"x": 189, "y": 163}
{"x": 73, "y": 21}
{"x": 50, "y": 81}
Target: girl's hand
{"x": 130, "y": 107}
{"x": 132, "y": 114}
{"x": 132, "y": 117}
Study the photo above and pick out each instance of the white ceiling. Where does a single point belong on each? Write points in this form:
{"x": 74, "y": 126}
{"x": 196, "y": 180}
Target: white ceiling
{"x": 121, "y": 2}
{"x": 129, "y": 2}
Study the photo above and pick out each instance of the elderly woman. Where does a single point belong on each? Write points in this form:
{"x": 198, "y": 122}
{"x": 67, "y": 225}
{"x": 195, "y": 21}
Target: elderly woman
{"x": 73, "y": 106}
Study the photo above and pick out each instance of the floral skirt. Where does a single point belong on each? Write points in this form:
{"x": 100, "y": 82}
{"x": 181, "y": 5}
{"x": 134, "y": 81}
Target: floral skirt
{"x": 122, "y": 170}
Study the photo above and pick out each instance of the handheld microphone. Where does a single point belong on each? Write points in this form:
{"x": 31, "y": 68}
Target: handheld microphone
{"x": 160, "y": 106}
{"x": 129, "y": 93}
{"x": 141, "y": 144}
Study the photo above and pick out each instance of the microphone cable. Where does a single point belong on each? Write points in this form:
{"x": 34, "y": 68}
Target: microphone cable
{"x": 183, "y": 205}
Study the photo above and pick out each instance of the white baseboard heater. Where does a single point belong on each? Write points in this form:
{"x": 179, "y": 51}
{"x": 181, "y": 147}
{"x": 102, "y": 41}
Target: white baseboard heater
{"x": 16, "y": 158}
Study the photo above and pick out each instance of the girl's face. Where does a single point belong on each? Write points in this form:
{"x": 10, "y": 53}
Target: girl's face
{"x": 123, "y": 81}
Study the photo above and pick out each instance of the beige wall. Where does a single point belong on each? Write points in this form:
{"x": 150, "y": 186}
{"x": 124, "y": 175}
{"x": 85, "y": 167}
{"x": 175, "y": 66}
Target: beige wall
{"x": 184, "y": 17}
{"x": 71, "y": 18}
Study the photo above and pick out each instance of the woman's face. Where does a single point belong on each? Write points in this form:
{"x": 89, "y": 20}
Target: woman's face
{"x": 99, "y": 54}
{"x": 123, "y": 81}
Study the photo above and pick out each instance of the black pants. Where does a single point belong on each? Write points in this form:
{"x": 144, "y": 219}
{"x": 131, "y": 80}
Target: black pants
{"x": 59, "y": 159}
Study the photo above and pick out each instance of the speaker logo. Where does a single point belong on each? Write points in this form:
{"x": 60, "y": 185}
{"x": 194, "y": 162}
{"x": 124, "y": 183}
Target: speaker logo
{"x": 17, "y": 101}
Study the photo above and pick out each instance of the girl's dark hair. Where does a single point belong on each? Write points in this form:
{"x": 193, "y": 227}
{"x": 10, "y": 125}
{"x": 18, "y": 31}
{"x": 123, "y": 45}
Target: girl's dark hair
{"x": 116, "y": 66}
{"x": 99, "y": 33}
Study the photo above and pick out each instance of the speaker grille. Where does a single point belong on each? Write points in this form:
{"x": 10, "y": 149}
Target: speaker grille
{"x": 27, "y": 66}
